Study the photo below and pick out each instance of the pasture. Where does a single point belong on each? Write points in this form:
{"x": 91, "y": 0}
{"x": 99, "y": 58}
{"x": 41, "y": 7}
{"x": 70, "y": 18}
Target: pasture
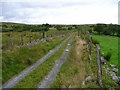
{"x": 108, "y": 44}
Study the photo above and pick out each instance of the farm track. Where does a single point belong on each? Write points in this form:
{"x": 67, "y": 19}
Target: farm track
{"x": 14, "y": 80}
{"x": 48, "y": 79}
{"x": 39, "y": 40}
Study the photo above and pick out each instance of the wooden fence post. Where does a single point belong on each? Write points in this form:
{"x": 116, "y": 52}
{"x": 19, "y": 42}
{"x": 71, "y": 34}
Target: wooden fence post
{"x": 78, "y": 33}
{"x": 99, "y": 66}
{"x": 89, "y": 41}
{"x": 43, "y": 34}
{"x": 22, "y": 39}
{"x": 40, "y": 36}
{"x": 89, "y": 45}
{"x": 30, "y": 36}
{"x": 11, "y": 41}
{"x": 35, "y": 36}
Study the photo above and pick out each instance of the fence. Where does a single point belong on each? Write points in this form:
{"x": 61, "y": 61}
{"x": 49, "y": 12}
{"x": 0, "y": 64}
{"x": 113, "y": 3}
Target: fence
{"x": 89, "y": 49}
{"x": 89, "y": 45}
{"x": 24, "y": 38}
{"x": 99, "y": 66}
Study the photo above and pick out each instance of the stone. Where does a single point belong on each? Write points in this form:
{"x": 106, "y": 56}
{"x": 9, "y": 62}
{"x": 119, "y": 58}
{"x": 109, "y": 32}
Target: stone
{"x": 119, "y": 78}
{"x": 115, "y": 70}
{"x": 112, "y": 73}
{"x": 51, "y": 63}
{"x": 116, "y": 79}
{"x": 83, "y": 82}
{"x": 106, "y": 70}
{"x": 103, "y": 60}
{"x": 111, "y": 65}
{"x": 66, "y": 50}
{"x": 68, "y": 44}
{"x": 70, "y": 86}
{"x": 88, "y": 78}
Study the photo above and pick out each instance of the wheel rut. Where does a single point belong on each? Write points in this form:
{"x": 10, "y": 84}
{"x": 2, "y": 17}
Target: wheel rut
{"x": 48, "y": 79}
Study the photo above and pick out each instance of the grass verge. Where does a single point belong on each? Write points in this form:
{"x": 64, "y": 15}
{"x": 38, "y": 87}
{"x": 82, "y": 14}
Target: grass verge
{"x": 34, "y": 77}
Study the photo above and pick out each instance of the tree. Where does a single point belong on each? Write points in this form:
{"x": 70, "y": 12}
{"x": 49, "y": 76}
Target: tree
{"x": 45, "y": 27}
{"x": 99, "y": 28}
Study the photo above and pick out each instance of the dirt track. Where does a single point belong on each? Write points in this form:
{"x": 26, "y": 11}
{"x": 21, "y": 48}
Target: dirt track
{"x": 45, "y": 83}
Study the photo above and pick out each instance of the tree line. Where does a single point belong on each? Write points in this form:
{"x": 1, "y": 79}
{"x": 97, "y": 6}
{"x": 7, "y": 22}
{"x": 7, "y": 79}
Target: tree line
{"x": 107, "y": 29}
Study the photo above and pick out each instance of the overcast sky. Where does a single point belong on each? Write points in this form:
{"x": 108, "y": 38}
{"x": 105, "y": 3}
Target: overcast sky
{"x": 59, "y": 11}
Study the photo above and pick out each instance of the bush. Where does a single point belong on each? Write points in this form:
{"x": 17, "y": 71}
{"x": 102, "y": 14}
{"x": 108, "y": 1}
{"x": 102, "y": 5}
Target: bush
{"x": 94, "y": 41}
{"x": 108, "y": 56}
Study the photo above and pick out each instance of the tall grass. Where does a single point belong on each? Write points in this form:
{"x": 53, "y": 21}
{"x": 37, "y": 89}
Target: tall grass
{"x": 18, "y": 59}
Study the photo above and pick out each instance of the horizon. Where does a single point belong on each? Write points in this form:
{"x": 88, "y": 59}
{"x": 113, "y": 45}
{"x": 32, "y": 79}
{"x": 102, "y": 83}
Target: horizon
{"x": 57, "y": 24}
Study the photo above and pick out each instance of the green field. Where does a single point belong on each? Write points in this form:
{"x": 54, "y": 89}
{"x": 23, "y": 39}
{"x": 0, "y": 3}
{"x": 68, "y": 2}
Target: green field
{"x": 108, "y": 44}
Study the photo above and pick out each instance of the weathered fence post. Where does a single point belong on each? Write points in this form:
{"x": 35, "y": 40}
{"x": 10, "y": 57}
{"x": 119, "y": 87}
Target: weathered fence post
{"x": 78, "y": 33}
{"x": 22, "y": 39}
{"x": 40, "y": 36}
{"x": 43, "y": 34}
{"x": 89, "y": 45}
{"x": 47, "y": 34}
{"x": 89, "y": 41}
{"x": 11, "y": 41}
{"x": 30, "y": 36}
{"x": 81, "y": 33}
{"x": 35, "y": 36}
{"x": 99, "y": 66}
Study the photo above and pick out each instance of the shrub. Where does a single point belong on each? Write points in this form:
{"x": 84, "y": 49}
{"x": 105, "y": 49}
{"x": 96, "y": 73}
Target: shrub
{"x": 108, "y": 56}
{"x": 94, "y": 41}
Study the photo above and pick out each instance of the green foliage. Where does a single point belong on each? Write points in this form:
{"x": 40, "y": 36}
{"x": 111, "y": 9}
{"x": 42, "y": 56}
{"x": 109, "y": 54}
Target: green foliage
{"x": 7, "y": 27}
{"x": 109, "y": 29}
{"x": 108, "y": 56}
{"x": 94, "y": 41}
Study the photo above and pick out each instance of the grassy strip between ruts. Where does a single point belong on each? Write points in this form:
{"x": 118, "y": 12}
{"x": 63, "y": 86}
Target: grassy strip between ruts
{"x": 34, "y": 77}
{"x": 15, "y": 61}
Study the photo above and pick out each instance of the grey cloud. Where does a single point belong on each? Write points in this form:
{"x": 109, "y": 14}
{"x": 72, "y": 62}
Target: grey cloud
{"x": 18, "y": 10}
{"x": 28, "y": 11}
